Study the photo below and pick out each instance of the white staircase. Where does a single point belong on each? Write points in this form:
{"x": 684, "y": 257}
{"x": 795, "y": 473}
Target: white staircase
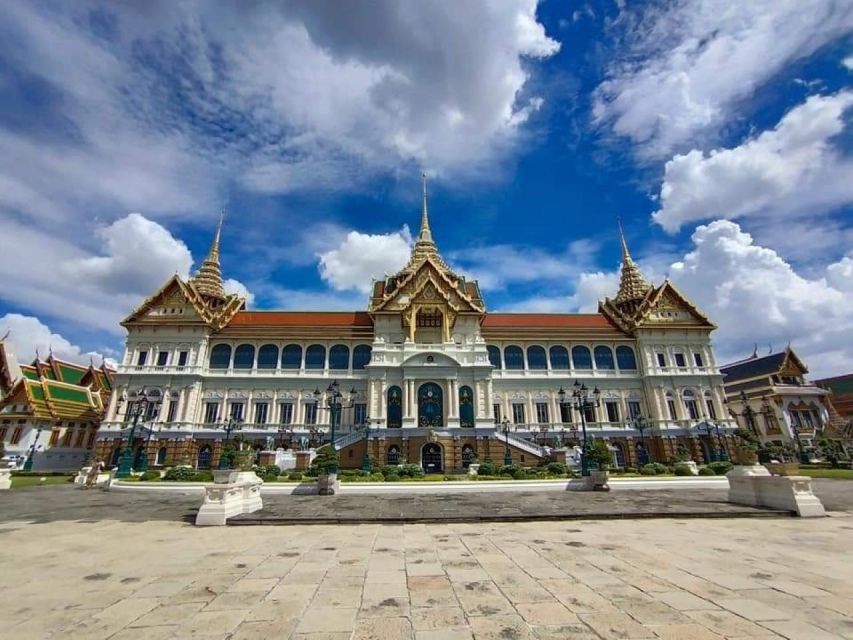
{"x": 350, "y": 438}
{"x": 524, "y": 445}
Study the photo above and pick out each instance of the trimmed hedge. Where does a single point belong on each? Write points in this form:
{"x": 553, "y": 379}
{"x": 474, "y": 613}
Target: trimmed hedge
{"x": 720, "y": 468}
{"x": 149, "y": 475}
{"x": 706, "y": 471}
{"x": 683, "y": 470}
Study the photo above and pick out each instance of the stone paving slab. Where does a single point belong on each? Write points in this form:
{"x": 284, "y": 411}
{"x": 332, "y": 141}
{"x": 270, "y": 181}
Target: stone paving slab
{"x": 676, "y": 579}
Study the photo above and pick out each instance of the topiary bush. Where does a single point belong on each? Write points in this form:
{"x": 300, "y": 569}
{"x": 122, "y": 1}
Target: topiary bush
{"x": 378, "y": 477}
{"x": 325, "y": 462}
{"x": 648, "y": 470}
{"x": 682, "y": 470}
{"x": 268, "y": 473}
{"x": 487, "y": 468}
{"x": 720, "y": 468}
{"x": 149, "y": 475}
{"x": 659, "y": 468}
{"x": 203, "y": 476}
{"x": 410, "y": 471}
{"x": 391, "y": 477}
{"x": 556, "y": 468}
{"x": 705, "y": 471}
{"x": 180, "y": 474}
{"x": 294, "y": 475}
{"x": 600, "y": 455}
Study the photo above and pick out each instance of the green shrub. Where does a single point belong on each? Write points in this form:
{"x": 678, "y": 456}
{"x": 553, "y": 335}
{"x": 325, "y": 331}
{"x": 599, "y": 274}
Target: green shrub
{"x": 659, "y": 468}
{"x": 705, "y": 471}
{"x": 411, "y": 471}
{"x": 487, "y": 468}
{"x": 599, "y": 453}
{"x": 391, "y": 477}
{"x": 378, "y": 477}
{"x": 268, "y": 472}
{"x": 629, "y": 470}
{"x": 180, "y": 474}
{"x": 294, "y": 475}
{"x": 648, "y": 470}
{"x": 325, "y": 462}
{"x": 508, "y": 470}
{"x": 682, "y": 470}
{"x": 556, "y": 468}
{"x": 149, "y": 475}
{"x": 720, "y": 468}
{"x": 203, "y": 476}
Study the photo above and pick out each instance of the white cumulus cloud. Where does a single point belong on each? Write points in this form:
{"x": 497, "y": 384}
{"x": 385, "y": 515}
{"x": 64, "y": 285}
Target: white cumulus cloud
{"x": 28, "y": 335}
{"x": 790, "y": 169}
{"x": 361, "y": 257}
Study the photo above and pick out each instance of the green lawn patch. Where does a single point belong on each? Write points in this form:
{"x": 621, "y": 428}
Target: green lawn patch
{"x": 23, "y": 482}
{"x": 835, "y": 474}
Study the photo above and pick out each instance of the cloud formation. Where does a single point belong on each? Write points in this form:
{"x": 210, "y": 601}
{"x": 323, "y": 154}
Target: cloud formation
{"x": 687, "y": 65}
{"x": 362, "y": 257}
{"x": 790, "y": 169}
{"x": 28, "y": 335}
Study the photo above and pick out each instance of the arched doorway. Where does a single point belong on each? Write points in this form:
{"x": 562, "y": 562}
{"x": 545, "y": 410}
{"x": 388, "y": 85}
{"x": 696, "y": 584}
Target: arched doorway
{"x": 395, "y": 407}
{"x": 430, "y": 405}
{"x": 204, "y": 456}
{"x": 467, "y": 456}
{"x": 161, "y": 457}
{"x": 431, "y": 458}
{"x": 114, "y": 458}
{"x": 466, "y": 407}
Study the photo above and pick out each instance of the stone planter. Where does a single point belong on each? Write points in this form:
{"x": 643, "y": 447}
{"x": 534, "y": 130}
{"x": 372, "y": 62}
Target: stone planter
{"x": 599, "y": 478}
{"x": 783, "y": 468}
{"x": 223, "y": 500}
{"x": 234, "y": 476}
{"x": 473, "y": 468}
{"x": 328, "y": 485}
{"x": 5, "y": 479}
{"x": 745, "y": 456}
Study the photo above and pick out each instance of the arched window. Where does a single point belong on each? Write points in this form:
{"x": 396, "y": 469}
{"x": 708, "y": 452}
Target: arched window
{"x": 315, "y": 357}
{"x": 514, "y": 357}
{"x": 268, "y": 357}
{"x": 709, "y": 405}
{"x": 603, "y": 358}
{"x": 361, "y": 356}
{"x": 619, "y": 453}
{"x": 467, "y": 456}
{"x": 559, "y": 357}
{"x": 339, "y": 357}
{"x": 393, "y": 455}
{"x": 690, "y": 404}
{"x": 291, "y": 357}
{"x": 220, "y": 356}
{"x": 670, "y": 406}
{"x": 244, "y": 356}
{"x": 494, "y": 356}
{"x": 160, "y": 460}
{"x": 625, "y": 358}
{"x": 536, "y": 358}
{"x": 205, "y": 455}
{"x": 466, "y": 407}
{"x": 581, "y": 357}
{"x": 395, "y": 407}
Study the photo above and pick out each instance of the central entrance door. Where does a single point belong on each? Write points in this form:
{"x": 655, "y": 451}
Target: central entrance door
{"x": 431, "y": 458}
{"x": 430, "y": 406}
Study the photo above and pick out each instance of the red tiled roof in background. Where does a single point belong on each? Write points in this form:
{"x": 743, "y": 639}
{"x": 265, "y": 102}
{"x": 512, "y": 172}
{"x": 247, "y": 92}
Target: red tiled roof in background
{"x": 301, "y": 319}
{"x": 546, "y": 320}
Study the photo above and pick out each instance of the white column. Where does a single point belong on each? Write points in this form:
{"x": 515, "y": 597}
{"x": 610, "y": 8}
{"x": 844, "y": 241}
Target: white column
{"x": 407, "y": 386}
{"x": 453, "y": 409}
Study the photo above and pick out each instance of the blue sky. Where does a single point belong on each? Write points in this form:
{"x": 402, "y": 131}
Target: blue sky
{"x": 718, "y": 132}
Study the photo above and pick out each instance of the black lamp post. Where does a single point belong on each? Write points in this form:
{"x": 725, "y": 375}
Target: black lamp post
{"x": 232, "y": 424}
{"x": 142, "y": 401}
{"x": 335, "y": 404}
{"x": 709, "y": 431}
{"x": 640, "y": 423}
{"x": 580, "y": 401}
{"x": 723, "y": 454}
{"x": 507, "y": 453}
{"x": 365, "y": 460}
{"x": 143, "y": 465}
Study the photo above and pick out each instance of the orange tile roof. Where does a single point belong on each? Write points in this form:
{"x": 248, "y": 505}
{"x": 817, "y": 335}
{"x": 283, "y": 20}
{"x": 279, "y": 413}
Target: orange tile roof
{"x": 546, "y": 320}
{"x": 302, "y": 319}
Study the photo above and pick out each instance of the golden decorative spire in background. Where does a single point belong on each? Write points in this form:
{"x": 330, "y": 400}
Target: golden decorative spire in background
{"x": 632, "y": 285}
{"x": 208, "y": 279}
{"x": 425, "y": 236}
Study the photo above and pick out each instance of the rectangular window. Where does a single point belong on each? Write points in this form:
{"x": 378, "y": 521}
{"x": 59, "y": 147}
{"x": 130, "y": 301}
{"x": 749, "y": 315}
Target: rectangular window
{"x": 542, "y": 413}
{"x": 16, "y": 435}
{"x": 566, "y": 413}
{"x": 311, "y": 413}
{"x": 496, "y": 413}
{"x": 661, "y": 360}
{"x": 236, "y": 410}
{"x": 81, "y": 436}
{"x": 712, "y": 412}
{"x": 359, "y": 413}
{"x": 261, "y": 411}
{"x": 692, "y": 409}
{"x": 589, "y": 414}
{"x": 54, "y": 437}
{"x": 518, "y": 413}
{"x": 151, "y": 411}
{"x": 162, "y": 358}
{"x": 697, "y": 358}
{"x": 612, "y": 411}
{"x": 91, "y": 442}
{"x": 172, "y": 410}
{"x": 634, "y": 409}
{"x": 3, "y": 433}
{"x": 286, "y": 415}
{"x": 142, "y": 358}
{"x": 679, "y": 360}
{"x": 795, "y": 419}
{"x": 808, "y": 418}
{"x": 66, "y": 438}
{"x": 183, "y": 356}
{"x": 211, "y": 412}
{"x": 670, "y": 405}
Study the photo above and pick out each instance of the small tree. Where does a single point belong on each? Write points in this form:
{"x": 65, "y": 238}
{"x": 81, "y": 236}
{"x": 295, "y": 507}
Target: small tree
{"x": 325, "y": 462}
{"x": 599, "y": 453}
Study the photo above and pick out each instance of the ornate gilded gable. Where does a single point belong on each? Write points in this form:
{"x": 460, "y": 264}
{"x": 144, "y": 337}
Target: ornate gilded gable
{"x": 666, "y": 305}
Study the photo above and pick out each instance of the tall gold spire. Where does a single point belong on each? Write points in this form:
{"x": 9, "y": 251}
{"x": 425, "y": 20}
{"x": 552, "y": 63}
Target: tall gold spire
{"x": 208, "y": 279}
{"x": 632, "y": 285}
{"x": 425, "y": 236}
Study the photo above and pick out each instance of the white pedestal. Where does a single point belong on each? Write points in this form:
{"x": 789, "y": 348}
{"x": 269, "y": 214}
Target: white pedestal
{"x": 103, "y": 480}
{"x": 755, "y": 486}
{"x": 328, "y": 485}
{"x": 473, "y": 468}
{"x": 5, "y": 479}
{"x": 223, "y": 500}
{"x": 694, "y": 468}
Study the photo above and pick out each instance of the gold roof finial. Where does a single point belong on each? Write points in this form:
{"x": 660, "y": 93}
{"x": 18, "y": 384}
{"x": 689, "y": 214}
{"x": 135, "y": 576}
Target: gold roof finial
{"x": 208, "y": 279}
{"x": 426, "y": 233}
{"x": 632, "y": 285}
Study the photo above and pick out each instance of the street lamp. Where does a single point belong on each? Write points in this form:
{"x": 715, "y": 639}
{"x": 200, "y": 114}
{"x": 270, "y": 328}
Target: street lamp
{"x": 709, "y": 431}
{"x": 335, "y": 404}
{"x": 232, "y": 424}
{"x": 580, "y": 401}
{"x": 640, "y": 423}
{"x": 142, "y": 401}
{"x": 721, "y": 447}
{"x": 507, "y": 453}
{"x": 28, "y": 463}
{"x": 365, "y": 461}
{"x": 143, "y": 466}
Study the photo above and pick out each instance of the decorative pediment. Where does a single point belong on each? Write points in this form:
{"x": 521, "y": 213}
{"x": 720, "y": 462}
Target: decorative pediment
{"x": 662, "y": 306}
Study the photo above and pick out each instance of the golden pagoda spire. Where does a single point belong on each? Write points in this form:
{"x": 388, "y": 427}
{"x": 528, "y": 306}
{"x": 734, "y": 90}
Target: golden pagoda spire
{"x": 632, "y": 285}
{"x": 425, "y": 236}
{"x": 208, "y": 279}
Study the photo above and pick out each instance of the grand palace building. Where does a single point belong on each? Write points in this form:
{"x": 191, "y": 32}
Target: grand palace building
{"x": 427, "y": 374}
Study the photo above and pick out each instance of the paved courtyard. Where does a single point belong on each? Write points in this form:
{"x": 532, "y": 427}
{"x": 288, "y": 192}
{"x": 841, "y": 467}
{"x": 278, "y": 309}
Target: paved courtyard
{"x": 106, "y": 577}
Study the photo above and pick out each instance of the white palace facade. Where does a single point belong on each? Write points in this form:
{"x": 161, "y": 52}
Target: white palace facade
{"x": 428, "y": 375}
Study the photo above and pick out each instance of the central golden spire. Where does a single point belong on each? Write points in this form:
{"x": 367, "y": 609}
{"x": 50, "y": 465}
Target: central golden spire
{"x": 208, "y": 279}
{"x": 633, "y": 287}
{"x": 425, "y": 236}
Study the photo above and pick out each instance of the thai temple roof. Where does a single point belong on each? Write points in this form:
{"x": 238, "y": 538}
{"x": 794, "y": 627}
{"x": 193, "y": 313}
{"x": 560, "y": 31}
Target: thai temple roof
{"x": 208, "y": 280}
